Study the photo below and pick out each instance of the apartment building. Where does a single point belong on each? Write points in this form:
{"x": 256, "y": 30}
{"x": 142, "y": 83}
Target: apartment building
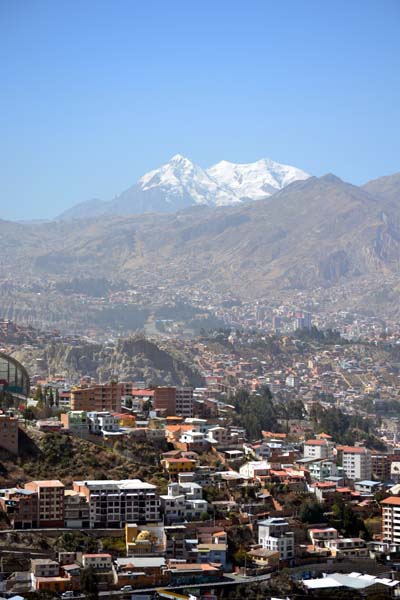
{"x": 50, "y": 504}
{"x": 99, "y": 398}
{"x": 184, "y": 402}
{"x": 76, "y": 509}
{"x": 274, "y": 535}
{"x": 164, "y": 400}
{"x": 320, "y": 470}
{"x": 318, "y": 449}
{"x": 391, "y": 519}
{"x": 356, "y": 462}
{"x": 115, "y": 503}
{"x": 184, "y": 501}
{"x": 9, "y": 434}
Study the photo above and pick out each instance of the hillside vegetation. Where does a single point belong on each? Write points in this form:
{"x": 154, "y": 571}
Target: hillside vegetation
{"x": 60, "y": 456}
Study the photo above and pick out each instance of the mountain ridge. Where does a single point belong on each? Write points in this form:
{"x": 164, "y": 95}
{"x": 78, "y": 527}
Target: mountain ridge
{"x": 180, "y": 183}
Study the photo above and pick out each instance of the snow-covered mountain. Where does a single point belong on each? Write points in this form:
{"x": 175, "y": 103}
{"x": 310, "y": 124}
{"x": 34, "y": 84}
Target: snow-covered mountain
{"x": 180, "y": 178}
{"x": 257, "y": 180}
{"x": 180, "y": 183}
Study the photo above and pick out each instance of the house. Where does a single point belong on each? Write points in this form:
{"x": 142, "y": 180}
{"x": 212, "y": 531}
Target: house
{"x": 368, "y": 487}
{"x": 212, "y": 553}
{"x": 320, "y": 535}
{"x": 102, "y": 422}
{"x": 262, "y": 558}
{"x": 347, "y": 547}
{"x": 255, "y": 469}
{"x": 141, "y": 571}
{"x": 45, "y": 576}
{"x": 178, "y": 465}
{"x": 98, "y": 562}
{"x": 75, "y": 421}
{"x": 193, "y": 573}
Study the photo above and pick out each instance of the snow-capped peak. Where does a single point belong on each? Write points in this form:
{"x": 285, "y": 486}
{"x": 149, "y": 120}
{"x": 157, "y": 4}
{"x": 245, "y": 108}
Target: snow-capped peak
{"x": 183, "y": 183}
{"x": 182, "y": 179}
{"x": 255, "y": 180}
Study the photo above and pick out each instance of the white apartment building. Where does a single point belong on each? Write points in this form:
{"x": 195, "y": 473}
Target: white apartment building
{"x": 274, "y": 534}
{"x": 115, "y": 503}
{"x": 318, "y": 449}
{"x": 391, "y": 519}
{"x": 356, "y": 462}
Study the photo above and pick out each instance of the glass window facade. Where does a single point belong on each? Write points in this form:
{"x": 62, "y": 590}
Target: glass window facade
{"x": 13, "y": 376}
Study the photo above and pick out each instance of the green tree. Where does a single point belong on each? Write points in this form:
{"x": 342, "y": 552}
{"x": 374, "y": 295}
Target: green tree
{"x": 38, "y": 396}
{"x": 50, "y": 398}
{"x": 311, "y": 511}
{"x": 89, "y": 584}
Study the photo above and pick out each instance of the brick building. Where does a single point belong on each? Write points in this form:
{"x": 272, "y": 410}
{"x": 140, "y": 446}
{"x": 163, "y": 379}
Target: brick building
{"x": 50, "y": 506}
{"x": 164, "y": 400}
{"x": 99, "y": 398}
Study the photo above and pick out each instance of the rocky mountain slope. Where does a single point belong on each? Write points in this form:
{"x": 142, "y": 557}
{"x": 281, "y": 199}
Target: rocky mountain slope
{"x": 387, "y": 187}
{"x": 180, "y": 183}
{"x": 135, "y": 359}
{"x": 316, "y": 232}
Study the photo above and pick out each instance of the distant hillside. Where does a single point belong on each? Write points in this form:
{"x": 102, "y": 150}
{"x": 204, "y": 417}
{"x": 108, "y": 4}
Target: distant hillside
{"x": 319, "y": 232}
{"x": 135, "y": 359}
{"x": 387, "y": 187}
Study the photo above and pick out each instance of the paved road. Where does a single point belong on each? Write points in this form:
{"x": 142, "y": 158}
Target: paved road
{"x": 229, "y": 580}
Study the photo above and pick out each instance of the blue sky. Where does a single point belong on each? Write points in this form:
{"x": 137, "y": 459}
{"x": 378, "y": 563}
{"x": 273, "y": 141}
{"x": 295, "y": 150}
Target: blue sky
{"x": 95, "y": 93}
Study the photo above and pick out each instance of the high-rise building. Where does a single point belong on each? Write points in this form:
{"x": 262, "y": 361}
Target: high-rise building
{"x": 184, "y": 402}
{"x": 164, "y": 400}
{"x": 50, "y": 504}
{"x": 356, "y": 462}
{"x": 391, "y": 519}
